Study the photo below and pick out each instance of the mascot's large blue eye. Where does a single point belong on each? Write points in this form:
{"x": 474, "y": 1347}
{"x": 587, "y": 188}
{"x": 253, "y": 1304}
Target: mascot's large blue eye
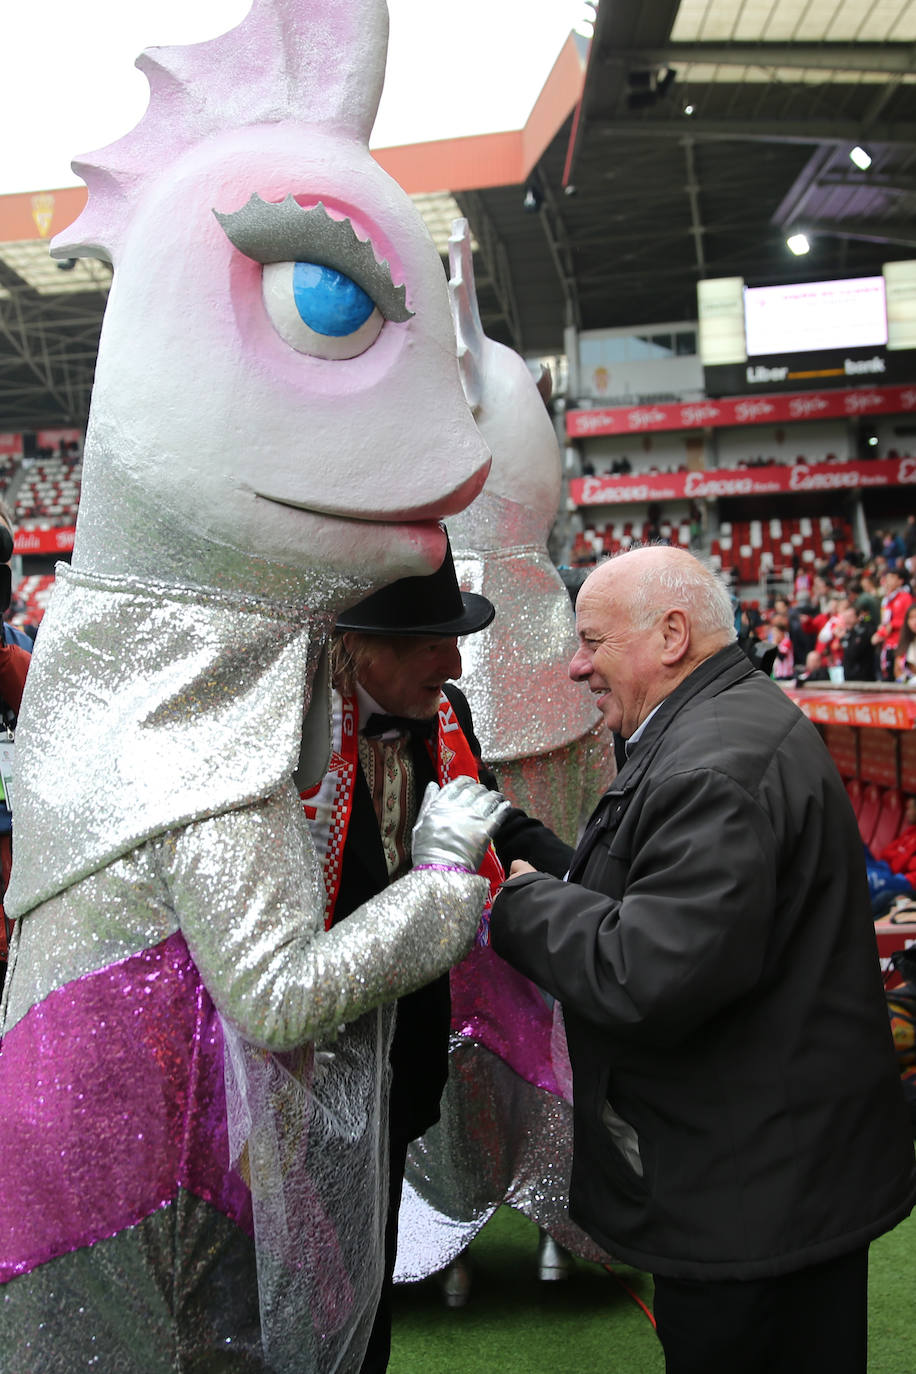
{"x": 320, "y": 311}
{"x": 329, "y": 302}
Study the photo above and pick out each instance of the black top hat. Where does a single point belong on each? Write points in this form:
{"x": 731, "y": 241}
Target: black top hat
{"x": 431, "y": 605}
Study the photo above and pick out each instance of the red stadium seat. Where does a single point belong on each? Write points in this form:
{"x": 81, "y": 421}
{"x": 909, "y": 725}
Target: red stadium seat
{"x": 869, "y": 813}
{"x": 854, "y": 789}
{"x": 889, "y": 818}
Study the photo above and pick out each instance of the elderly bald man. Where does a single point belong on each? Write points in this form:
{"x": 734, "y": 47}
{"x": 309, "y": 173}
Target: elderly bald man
{"x": 739, "y": 1122}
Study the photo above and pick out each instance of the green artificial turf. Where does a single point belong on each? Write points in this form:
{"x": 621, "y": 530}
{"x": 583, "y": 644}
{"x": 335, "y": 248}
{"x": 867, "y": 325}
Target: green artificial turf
{"x": 588, "y": 1324}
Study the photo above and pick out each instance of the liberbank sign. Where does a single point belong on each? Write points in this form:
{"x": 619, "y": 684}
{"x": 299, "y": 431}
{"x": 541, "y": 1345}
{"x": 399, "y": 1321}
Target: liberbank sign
{"x": 757, "y": 481}
{"x": 829, "y": 368}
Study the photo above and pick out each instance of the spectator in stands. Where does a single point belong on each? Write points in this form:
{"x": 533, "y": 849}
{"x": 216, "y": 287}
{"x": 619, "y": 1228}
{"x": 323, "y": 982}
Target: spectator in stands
{"x": 894, "y": 606}
{"x": 909, "y": 537}
{"x": 905, "y": 653}
{"x": 801, "y": 585}
{"x": 900, "y": 853}
{"x": 801, "y": 640}
{"x": 777, "y": 633}
{"x": 829, "y": 637}
{"x": 858, "y": 651}
{"x": 820, "y": 594}
{"x": 893, "y": 548}
{"x": 868, "y": 600}
{"x": 815, "y": 668}
{"x": 15, "y": 656}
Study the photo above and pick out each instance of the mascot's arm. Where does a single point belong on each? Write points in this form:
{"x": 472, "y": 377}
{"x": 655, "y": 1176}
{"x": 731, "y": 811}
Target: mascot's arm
{"x": 249, "y": 895}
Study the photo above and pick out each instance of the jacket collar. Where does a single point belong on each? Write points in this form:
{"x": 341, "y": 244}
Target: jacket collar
{"x": 724, "y": 668}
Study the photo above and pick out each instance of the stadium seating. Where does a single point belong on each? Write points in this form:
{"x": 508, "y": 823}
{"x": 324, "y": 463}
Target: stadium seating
{"x": 870, "y": 812}
{"x": 49, "y": 494}
{"x": 890, "y": 815}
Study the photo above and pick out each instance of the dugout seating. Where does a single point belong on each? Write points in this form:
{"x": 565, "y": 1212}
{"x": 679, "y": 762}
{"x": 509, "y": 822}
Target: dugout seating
{"x": 869, "y": 812}
{"x": 890, "y": 817}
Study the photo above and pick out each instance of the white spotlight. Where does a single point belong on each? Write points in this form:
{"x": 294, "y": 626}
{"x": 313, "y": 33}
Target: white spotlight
{"x": 860, "y": 158}
{"x": 797, "y": 244}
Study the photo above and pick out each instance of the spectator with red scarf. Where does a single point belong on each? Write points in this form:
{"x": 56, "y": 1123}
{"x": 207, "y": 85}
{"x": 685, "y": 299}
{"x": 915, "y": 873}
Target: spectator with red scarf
{"x": 895, "y": 603}
{"x": 901, "y": 852}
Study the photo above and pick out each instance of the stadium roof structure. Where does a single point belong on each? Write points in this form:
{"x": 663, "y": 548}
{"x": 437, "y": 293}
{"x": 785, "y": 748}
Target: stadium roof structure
{"x": 686, "y": 141}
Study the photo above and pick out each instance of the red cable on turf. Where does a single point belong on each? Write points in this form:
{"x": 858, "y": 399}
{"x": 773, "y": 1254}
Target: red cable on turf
{"x": 628, "y": 1290}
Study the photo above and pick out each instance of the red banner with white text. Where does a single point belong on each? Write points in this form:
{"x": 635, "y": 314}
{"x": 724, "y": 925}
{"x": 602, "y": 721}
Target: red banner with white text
{"x": 44, "y": 541}
{"x": 887, "y": 711}
{"x": 53, "y": 438}
{"x": 757, "y": 481}
{"x": 742, "y": 410}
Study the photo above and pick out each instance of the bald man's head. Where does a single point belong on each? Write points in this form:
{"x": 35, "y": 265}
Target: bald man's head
{"x": 646, "y": 619}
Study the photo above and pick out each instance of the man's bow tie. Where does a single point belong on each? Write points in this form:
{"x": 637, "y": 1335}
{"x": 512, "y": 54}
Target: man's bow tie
{"x": 405, "y": 725}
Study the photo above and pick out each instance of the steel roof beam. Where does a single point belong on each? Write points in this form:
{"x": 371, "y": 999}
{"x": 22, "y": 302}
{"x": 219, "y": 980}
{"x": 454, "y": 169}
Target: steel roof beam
{"x": 837, "y": 132}
{"x": 889, "y": 58}
{"x": 870, "y": 231}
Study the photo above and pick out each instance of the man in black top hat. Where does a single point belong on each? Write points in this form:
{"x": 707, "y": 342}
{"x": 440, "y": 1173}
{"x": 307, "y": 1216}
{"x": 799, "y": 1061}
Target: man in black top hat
{"x": 398, "y": 723}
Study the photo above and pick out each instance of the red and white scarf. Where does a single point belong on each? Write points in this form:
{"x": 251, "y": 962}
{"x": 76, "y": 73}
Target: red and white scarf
{"x": 329, "y": 804}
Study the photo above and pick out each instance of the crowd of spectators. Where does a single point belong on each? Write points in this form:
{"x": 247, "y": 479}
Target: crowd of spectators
{"x": 847, "y": 619}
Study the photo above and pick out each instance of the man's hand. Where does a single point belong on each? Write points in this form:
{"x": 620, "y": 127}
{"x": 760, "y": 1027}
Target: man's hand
{"x": 519, "y": 866}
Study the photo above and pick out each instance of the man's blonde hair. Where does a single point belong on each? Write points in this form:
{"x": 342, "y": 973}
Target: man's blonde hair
{"x": 348, "y": 661}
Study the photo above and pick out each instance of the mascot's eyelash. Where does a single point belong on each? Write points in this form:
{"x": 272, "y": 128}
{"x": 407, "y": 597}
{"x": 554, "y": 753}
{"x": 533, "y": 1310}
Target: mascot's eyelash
{"x": 269, "y": 232}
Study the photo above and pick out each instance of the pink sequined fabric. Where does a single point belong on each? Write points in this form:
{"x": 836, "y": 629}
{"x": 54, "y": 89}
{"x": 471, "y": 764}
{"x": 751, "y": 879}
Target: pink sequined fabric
{"x": 500, "y": 1009}
{"x": 114, "y": 1098}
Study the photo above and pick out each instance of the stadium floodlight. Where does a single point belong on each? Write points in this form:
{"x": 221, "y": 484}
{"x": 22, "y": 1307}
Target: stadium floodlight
{"x": 798, "y": 244}
{"x": 860, "y": 158}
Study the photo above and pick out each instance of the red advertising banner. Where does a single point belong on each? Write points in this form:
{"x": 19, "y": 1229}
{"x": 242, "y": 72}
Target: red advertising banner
{"x": 10, "y": 445}
{"x": 742, "y": 410}
{"x": 756, "y": 481}
{"x": 857, "y": 708}
{"x": 44, "y": 541}
{"x": 50, "y": 438}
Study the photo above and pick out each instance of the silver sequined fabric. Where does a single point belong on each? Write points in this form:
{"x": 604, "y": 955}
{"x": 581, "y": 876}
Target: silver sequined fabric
{"x": 160, "y": 737}
{"x": 514, "y": 673}
{"x": 518, "y": 1151}
{"x": 501, "y": 1139}
{"x": 147, "y": 707}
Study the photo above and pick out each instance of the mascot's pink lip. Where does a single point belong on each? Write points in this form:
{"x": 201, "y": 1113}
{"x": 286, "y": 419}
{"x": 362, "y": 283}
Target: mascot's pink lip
{"x": 447, "y": 504}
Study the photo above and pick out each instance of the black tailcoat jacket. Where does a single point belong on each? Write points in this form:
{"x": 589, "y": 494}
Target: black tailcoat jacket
{"x": 419, "y": 1051}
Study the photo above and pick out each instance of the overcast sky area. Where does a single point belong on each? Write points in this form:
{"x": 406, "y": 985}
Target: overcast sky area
{"x": 455, "y": 67}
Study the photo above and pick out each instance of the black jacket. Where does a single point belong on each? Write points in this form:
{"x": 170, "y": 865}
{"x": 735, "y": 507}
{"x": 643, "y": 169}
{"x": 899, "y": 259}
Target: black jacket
{"x": 738, "y": 1110}
{"x": 419, "y": 1052}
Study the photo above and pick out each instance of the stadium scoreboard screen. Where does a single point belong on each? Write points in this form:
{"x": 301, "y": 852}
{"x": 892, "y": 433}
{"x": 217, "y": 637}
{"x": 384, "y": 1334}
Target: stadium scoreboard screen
{"x": 808, "y": 334}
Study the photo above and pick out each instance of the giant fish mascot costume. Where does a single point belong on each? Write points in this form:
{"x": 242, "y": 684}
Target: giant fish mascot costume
{"x": 505, "y": 1133}
{"x": 192, "y": 1087}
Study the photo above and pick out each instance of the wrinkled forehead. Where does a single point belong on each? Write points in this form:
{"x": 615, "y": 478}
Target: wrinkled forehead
{"x": 601, "y": 605}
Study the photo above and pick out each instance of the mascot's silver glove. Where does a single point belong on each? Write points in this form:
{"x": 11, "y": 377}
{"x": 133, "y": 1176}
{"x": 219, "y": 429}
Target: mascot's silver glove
{"x": 456, "y": 823}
